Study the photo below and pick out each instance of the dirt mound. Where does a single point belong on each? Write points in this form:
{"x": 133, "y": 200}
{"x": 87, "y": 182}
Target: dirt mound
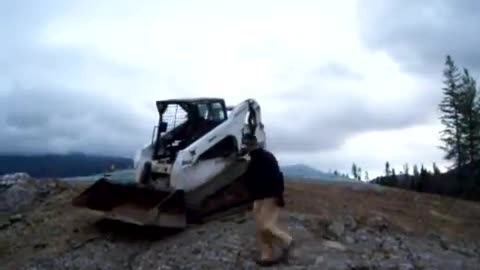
{"x": 337, "y": 226}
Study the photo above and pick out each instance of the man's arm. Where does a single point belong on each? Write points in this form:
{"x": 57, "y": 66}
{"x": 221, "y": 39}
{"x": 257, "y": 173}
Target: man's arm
{"x": 277, "y": 174}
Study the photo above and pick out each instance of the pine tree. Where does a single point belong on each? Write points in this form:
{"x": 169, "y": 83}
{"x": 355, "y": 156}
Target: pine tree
{"x": 394, "y": 179}
{"x": 387, "y": 169}
{"x": 366, "y": 176}
{"x": 435, "y": 168}
{"x": 354, "y": 171}
{"x": 470, "y": 117}
{"x": 423, "y": 177}
{"x": 359, "y": 173}
{"x": 406, "y": 169}
{"x": 451, "y": 135}
{"x": 416, "y": 172}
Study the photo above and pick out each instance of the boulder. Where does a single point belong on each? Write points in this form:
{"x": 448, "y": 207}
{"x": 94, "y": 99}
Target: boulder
{"x": 18, "y": 197}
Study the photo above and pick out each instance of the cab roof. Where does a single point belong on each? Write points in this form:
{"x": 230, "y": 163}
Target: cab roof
{"x": 191, "y": 100}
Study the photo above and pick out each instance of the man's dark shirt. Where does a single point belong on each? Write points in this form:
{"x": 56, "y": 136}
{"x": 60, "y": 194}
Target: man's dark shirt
{"x": 263, "y": 177}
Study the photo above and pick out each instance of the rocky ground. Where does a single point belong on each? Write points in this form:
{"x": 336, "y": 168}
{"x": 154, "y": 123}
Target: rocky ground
{"x": 337, "y": 226}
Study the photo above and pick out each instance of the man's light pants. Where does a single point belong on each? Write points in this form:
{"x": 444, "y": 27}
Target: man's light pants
{"x": 266, "y": 213}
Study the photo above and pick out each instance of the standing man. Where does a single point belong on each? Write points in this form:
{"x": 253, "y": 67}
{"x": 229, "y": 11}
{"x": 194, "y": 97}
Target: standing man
{"x": 265, "y": 183}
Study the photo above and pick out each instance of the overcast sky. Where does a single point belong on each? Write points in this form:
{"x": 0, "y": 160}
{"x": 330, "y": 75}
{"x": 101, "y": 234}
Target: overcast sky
{"x": 83, "y": 75}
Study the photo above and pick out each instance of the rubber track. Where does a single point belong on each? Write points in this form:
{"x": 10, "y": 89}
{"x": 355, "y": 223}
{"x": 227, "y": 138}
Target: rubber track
{"x": 222, "y": 214}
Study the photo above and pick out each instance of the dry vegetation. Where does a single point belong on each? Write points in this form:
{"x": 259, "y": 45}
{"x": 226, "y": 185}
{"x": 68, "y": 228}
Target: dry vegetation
{"x": 411, "y": 212}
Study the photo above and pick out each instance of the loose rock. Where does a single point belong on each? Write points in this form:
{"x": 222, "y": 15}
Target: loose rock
{"x": 336, "y": 229}
{"x": 73, "y": 243}
{"x": 334, "y": 245}
{"x": 16, "y": 218}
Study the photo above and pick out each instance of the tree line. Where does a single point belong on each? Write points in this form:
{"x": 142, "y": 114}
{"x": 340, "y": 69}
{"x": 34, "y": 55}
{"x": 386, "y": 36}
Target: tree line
{"x": 413, "y": 178}
{"x": 460, "y": 141}
{"x": 357, "y": 173}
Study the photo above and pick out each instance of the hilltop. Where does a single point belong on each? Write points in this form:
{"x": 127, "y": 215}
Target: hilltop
{"x": 338, "y": 225}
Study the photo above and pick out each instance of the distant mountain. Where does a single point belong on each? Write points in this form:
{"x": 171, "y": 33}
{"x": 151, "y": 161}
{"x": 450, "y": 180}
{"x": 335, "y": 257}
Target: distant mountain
{"x": 298, "y": 171}
{"x": 86, "y": 166}
{"x": 307, "y": 172}
{"x": 61, "y": 165}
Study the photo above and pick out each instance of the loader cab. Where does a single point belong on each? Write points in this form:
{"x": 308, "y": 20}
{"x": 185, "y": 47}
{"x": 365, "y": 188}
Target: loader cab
{"x": 183, "y": 121}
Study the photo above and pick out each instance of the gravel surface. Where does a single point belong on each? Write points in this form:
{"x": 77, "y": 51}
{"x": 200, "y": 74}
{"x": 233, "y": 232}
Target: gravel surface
{"x": 50, "y": 235}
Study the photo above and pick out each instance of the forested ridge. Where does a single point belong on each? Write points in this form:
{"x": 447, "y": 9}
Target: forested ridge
{"x": 61, "y": 165}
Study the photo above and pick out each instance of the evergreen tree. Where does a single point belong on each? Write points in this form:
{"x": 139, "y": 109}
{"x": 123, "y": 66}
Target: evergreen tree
{"x": 394, "y": 179}
{"x": 359, "y": 173}
{"x": 422, "y": 169}
{"x": 451, "y": 135}
{"x": 406, "y": 169}
{"x": 354, "y": 171}
{"x": 416, "y": 172}
{"x": 423, "y": 178}
{"x": 366, "y": 176}
{"x": 387, "y": 169}
{"x": 435, "y": 168}
{"x": 470, "y": 117}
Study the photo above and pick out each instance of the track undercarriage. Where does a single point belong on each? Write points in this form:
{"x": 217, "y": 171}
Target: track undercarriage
{"x": 145, "y": 205}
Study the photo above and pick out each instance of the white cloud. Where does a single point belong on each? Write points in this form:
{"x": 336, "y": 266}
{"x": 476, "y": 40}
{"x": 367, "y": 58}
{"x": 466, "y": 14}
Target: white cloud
{"x": 370, "y": 151}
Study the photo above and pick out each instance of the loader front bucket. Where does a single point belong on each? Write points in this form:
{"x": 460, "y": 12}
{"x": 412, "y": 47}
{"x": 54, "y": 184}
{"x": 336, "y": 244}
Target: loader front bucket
{"x": 135, "y": 203}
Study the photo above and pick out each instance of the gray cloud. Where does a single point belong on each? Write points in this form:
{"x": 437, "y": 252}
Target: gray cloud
{"x": 314, "y": 124}
{"x": 49, "y": 99}
{"x": 49, "y": 106}
{"x": 419, "y": 34}
{"x": 58, "y": 120}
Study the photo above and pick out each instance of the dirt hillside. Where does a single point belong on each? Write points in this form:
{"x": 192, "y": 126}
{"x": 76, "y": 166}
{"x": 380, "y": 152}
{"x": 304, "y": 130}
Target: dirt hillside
{"x": 337, "y": 226}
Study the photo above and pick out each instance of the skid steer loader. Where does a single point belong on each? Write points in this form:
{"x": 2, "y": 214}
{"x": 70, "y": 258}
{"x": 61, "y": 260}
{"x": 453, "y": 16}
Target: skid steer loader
{"x": 192, "y": 168}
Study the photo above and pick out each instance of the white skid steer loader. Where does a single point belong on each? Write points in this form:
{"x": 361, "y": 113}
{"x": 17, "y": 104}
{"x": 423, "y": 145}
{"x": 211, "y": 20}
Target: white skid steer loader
{"x": 192, "y": 168}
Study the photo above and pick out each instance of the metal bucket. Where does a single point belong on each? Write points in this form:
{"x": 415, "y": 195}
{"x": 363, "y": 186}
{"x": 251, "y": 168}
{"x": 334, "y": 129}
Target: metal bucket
{"x": 135, "y": 203}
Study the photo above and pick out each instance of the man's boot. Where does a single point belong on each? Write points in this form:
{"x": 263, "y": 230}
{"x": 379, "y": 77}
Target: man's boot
{"x": 286, "y": 250}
